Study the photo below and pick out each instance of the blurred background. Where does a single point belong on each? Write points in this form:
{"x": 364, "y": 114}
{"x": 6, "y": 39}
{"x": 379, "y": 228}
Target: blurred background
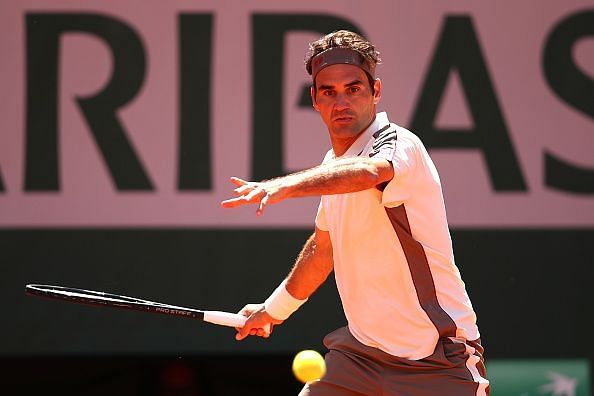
{"x": 122, "y": 121}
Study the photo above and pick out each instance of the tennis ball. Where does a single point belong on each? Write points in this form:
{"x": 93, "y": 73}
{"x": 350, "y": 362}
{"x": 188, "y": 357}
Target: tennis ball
{"x": 308, "y": 366}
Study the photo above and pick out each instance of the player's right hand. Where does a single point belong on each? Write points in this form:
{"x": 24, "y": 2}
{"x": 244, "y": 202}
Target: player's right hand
{"x": 258, "y": 320}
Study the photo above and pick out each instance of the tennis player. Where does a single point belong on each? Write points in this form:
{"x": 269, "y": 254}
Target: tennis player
{"x": 381, "y": 226}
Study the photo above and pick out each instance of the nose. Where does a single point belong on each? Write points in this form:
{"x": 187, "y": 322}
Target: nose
{"x": 341, "y": 102}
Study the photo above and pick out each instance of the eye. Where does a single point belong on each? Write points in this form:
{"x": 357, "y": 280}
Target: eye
{"x": 328, "y": 92}
{"x": 354, "y": 89}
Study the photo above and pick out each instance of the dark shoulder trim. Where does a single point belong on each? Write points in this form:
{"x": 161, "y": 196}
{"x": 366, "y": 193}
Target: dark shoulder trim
{"x": 385, "y": 142}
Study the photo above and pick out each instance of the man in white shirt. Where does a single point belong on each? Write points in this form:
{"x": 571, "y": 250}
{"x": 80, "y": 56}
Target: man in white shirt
{"x": 381, "y": 227}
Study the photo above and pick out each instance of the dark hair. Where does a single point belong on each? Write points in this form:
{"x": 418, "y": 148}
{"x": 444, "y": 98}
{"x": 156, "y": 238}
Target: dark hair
{"x": 344, "y": 39}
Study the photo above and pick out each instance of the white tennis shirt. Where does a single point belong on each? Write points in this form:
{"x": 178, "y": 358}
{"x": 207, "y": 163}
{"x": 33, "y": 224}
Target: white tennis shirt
{"x": 393, "y": 258}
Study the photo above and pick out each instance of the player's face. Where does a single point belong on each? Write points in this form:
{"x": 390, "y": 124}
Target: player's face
{"x": 345, "y": 101}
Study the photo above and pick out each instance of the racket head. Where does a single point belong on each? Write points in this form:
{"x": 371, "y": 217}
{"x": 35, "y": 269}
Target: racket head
{"x": 80, "y": 295}
{"x": 98, "y": 298}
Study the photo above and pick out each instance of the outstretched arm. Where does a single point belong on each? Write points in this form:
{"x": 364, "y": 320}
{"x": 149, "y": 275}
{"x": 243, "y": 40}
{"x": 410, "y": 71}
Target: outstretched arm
{"x": 311, "y": 269}
{"x": 335, "y": 177}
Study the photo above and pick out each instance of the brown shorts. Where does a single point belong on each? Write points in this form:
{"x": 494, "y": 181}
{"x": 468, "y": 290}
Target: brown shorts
{"x": 454, "y": 369}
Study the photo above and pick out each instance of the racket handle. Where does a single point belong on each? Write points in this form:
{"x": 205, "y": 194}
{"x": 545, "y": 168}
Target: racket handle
{"x": 228, "y": 319}
{"x": 224, "y": 318}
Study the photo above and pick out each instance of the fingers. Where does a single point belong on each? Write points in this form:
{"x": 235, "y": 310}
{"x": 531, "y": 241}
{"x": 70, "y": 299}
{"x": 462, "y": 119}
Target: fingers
{"x": 263, "y": 203}
{"x": 257, "y": 324}
{"x": 248, "y": 194}
{"x": 241, "y": 334}
{"x": 246, "y": 188}
{"x": 248, "y": 309}
{"x": 238, "y": 182}
{"x": 233, "y": 202}
{"x": 251, "y": 331}
{"x": 251, "y": 193}
{"x": 254, "y": 196}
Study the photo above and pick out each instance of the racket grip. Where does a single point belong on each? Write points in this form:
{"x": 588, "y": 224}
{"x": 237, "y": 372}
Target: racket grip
{"x": 228, "y": 319}
{"x": 224, "y": 318}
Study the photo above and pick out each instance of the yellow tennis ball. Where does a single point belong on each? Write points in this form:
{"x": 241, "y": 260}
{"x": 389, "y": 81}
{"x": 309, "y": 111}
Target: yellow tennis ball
{"x": 308, "y": 366}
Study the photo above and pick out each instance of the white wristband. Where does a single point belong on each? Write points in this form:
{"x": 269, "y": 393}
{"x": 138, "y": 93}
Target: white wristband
{"x": 281, "y": 304}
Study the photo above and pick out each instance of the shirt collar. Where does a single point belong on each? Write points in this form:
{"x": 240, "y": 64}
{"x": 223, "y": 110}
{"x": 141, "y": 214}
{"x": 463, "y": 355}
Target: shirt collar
{"x": 380, "y": 121}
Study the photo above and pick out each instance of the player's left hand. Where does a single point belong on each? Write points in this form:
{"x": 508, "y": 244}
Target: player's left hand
{"x": 259, "y": 193}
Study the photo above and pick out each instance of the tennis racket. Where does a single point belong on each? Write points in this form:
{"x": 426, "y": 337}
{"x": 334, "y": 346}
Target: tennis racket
{"x": 91, "y": 297}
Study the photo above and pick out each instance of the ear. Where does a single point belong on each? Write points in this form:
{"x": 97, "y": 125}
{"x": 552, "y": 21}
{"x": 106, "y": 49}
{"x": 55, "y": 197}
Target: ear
{"x": 377, "y": 88}
{"x": 312, "y": 92}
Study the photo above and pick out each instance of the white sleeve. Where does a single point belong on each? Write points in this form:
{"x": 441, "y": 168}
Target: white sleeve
{"x": 321, "y": 216}
{"x": 404, "y": 160}
{"x": 395, "y": 144}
